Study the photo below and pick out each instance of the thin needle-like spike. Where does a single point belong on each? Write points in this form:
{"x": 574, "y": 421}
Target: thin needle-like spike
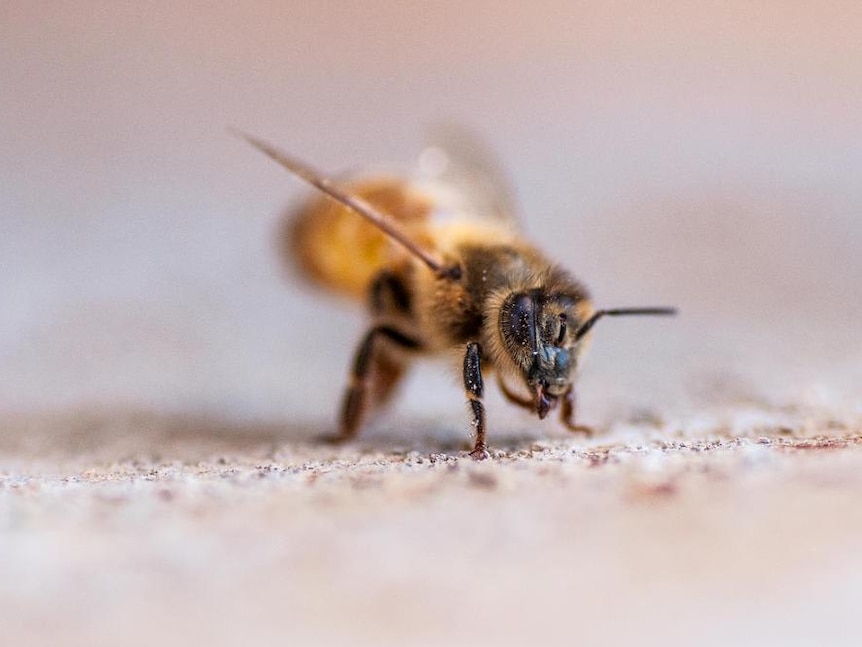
{"x": 352, "y": 202}
{"x": 619, "y": 312}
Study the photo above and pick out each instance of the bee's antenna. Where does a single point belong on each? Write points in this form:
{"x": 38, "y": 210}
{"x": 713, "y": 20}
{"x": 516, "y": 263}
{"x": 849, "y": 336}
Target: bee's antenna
{"x": 619, "y": 312}
{"x": 352, "y": 202}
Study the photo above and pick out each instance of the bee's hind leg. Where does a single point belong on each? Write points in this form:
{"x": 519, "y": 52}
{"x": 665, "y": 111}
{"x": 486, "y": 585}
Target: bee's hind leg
{"x": 373, "y": 376}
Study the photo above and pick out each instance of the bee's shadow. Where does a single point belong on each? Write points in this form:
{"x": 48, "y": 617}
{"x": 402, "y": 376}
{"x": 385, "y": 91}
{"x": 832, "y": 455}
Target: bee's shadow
{"x": 118, "y": 434}
{"x": 431, "y": 438}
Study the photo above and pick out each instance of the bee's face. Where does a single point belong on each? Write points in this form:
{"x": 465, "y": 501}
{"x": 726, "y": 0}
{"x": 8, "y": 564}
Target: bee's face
{"x": 538, "y": 331}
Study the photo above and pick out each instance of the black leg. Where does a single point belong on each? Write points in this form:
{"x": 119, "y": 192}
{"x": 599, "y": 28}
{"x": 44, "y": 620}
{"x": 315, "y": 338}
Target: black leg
{"x": 475, "y": 388}
{"x": 355, "y": 402}
{"x": 567, "y": 413}
{"x": 389, "y": 294}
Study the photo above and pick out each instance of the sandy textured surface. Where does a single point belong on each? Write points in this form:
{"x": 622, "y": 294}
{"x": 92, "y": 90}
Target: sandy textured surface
{"x": 137, "y": 529}
{"x": 161, "y": 385}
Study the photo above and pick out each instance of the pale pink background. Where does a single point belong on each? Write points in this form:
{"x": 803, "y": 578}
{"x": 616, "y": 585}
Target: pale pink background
{"x": 706, "y": 157}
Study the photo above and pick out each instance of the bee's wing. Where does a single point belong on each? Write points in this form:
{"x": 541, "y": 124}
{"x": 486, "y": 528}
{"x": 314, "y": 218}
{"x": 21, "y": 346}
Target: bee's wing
{"x": 465, "y": 175}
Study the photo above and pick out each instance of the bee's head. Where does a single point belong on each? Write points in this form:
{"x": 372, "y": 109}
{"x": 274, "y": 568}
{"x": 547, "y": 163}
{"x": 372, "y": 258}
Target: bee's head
{"x": 543, "y": 333}
{"x": 539, "y": 332}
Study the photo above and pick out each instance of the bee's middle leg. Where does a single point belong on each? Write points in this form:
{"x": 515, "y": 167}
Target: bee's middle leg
{"x": 373, "y": 374}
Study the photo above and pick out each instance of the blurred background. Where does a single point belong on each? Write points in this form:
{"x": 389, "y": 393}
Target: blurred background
{"x": 701, "y": 155}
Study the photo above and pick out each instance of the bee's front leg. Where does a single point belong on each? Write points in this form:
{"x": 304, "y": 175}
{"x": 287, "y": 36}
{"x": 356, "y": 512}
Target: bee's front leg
{"x": 567, "y": 414}
{"x": 513, "y": 397}
{"x": 475, "y": 389}
{"x": 356, "y": 399}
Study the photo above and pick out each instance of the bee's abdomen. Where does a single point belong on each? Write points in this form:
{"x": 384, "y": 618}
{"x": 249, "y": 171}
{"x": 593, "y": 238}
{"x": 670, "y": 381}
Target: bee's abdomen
{"x": 337, "y": 248}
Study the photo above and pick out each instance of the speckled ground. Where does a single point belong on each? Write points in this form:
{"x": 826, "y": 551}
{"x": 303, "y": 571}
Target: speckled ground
{"x": 131, "y": 528}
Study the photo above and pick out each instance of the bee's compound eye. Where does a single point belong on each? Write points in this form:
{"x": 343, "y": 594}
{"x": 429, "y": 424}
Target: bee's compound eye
{"x": 562, "y": 334}
{"x": 519, "y": 319}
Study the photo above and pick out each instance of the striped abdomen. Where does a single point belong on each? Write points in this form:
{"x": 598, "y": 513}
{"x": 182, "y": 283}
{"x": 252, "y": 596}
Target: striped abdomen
{"x": 336, "y": 248}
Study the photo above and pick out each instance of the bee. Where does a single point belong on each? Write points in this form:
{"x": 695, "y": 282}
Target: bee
{"x": 470, "y": 284}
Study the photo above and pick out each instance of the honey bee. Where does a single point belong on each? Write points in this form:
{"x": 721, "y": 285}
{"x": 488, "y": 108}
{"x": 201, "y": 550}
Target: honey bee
{"x": 470, "y": 284}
